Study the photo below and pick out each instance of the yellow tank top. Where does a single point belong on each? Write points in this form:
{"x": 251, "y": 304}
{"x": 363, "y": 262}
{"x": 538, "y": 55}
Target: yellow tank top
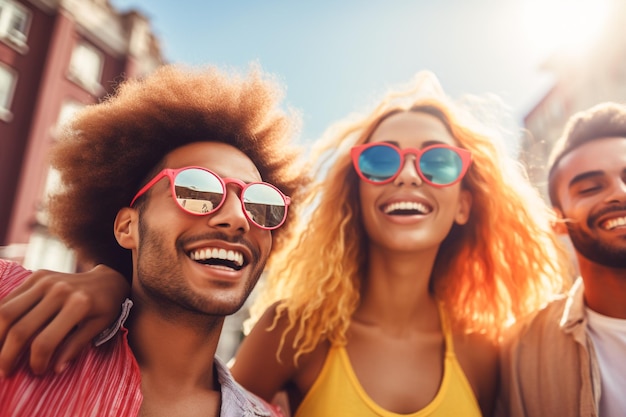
{"x": 338, "y": 392}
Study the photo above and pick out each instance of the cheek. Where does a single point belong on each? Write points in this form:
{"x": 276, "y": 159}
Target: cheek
{"x": 454, "y": 206}
{"x": 264, "y": 241}
{"x": 367, "y": 198}
{"x": 577, "y": 210}
{"x": 369, "y": 195}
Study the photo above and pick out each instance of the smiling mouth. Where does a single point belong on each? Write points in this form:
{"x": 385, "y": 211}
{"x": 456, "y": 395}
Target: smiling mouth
{"x": 218, "y": 257}
{"x": 406, "y": 208}
{"x": 613, "y": 223}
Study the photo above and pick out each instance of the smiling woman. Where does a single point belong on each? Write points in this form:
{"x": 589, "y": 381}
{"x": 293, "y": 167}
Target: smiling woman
{"x": 563, "y": 24}
{"x": 424, "y": 241}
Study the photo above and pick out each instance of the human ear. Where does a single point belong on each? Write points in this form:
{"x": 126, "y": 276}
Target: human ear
{"x": 125, "y": 228}
{"x": 559, "y": 223}
{"x": 464, "y": 207}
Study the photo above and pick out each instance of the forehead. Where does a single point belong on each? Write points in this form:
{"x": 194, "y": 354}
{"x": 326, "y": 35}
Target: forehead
{"x": 221, "y": 158}
{"x": 412, "y": 129}
{"x": 603, "y": 155}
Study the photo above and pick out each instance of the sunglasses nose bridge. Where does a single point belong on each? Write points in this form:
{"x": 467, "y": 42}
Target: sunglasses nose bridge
{"x": 414, "y": 152}
{"x": 231, "y": 211}
{"x": 237, "y": 187}
{"x": 236, "y": 182}
{"x": 409, "y": 172}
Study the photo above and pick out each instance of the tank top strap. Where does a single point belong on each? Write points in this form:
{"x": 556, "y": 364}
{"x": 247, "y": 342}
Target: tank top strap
{"x": 445, "y": 327}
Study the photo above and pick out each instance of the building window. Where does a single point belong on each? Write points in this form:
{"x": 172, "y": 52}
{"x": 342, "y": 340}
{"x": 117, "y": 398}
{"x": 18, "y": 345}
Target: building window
{"x": 52, "y": 186}
{"x": 14, "y": 24}
{"x": 47, "y": 252}
{"x": 68, "y": 110}
{"x": 8, "y": 79}
{"x": 86, "y": 67}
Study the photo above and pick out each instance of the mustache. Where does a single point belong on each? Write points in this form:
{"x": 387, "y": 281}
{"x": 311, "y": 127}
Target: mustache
{"x": 239, "y": 240}
{"x": 593, "y": 218}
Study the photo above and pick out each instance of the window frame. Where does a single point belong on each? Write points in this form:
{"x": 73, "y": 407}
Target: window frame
{"x": 91, "y": 83}
{"x": 16, "y": 38}
{"x": 5, "y": 107}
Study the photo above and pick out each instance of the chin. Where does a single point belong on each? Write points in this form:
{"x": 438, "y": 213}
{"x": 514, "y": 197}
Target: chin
{"x": 226, "y": 304}
{"x": 224, "y": 309}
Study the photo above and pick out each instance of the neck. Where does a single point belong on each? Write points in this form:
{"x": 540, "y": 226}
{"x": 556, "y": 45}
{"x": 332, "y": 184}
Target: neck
{"x": 396, "y": 289}
{"x": 174, "y": 349}
{"x": 605, "y": 288}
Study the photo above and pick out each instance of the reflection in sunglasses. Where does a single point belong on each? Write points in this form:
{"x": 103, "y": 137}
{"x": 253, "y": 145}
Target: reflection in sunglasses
{"x": 438, "y": 165}
{"x": 200, "y": 191}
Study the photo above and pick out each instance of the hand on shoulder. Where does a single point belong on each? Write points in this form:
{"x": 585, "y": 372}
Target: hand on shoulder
{"x": 57, "y": 313}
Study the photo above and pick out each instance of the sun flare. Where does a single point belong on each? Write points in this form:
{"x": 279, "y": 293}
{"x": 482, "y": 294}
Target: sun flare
{"x": 563, "y": 24}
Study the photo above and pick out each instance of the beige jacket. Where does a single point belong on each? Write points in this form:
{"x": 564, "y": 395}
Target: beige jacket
{"x": 548, "y": 364}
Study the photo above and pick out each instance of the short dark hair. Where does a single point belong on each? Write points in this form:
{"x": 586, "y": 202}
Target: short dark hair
{"x": 106, "y": 152}
{"x": 601, "y": 121}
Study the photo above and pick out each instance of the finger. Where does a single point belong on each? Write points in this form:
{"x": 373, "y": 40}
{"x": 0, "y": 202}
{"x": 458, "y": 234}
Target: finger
{"x": 32, "y": 322}
{"x": 51, "y": 337}
{"x": 77, "y": 341}
{"x": 13, "y": 310}
{"x": 27, "y": 285}
{"x": 20, "y": 334}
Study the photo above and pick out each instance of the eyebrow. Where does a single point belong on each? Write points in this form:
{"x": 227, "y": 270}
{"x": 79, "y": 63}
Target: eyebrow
{"x": 585, "y": 175}
{"x": 424, "y": 145}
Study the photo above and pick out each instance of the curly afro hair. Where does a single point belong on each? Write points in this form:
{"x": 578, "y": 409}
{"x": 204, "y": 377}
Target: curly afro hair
{"x": 108, "y": 149}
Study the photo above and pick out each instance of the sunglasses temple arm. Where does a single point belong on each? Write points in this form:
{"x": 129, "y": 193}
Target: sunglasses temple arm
{"x": 146, "y": 187}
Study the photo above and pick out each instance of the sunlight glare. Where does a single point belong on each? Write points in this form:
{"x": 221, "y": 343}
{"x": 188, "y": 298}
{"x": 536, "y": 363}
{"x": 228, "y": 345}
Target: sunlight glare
{"x": 563, "y": 24}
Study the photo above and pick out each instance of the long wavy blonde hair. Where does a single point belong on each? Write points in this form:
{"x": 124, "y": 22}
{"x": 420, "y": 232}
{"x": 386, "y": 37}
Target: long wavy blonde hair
{"x": 503, "y": 264}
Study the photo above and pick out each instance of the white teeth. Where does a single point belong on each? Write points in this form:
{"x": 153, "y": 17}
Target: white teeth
{"x": 406, "y": 205}
{"x": 215, "y": 253}
{"x": 613, "y": 223}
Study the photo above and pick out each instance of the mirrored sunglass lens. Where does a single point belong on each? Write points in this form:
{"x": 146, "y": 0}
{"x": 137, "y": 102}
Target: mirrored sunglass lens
{"x": 198, "y": 191}
{"x": 265, "y": 205}
{"x": 441, "y": 166}
{"x": 379, "y": 163}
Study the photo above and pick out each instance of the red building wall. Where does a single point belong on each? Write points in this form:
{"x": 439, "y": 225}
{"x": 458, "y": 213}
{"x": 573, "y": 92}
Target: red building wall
{"x": 43, "y": 86}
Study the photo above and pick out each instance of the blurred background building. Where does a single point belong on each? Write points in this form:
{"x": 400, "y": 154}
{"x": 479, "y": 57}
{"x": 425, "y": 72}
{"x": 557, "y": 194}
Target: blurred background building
{"x": 55, "y": 57}
{"x": 582, "y": 79}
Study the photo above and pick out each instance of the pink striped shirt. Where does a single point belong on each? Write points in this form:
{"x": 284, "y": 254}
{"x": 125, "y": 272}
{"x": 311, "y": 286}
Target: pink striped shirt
{"x": 103, "y": 381}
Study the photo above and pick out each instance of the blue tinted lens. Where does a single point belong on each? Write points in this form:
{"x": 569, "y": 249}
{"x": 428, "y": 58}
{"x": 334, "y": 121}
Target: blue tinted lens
{"x": 441, "y": 166}
{"x": 379, "y": 163}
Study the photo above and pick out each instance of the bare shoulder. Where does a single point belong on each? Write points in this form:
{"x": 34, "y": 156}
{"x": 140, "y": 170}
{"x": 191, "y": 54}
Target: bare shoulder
{"x": 265, "y": 363}
{"x": 476, "y": 347}
{"x": 479, "y": 358}
{"x": 257, "y": 366}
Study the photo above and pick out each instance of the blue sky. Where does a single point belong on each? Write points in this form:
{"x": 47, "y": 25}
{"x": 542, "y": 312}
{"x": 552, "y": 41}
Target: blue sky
{"x": 337, "y": 56}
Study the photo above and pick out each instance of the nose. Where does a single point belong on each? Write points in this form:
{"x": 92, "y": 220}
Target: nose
{"x": 408, "y": 173}
{"x": 230, "y": 216}
{"x": 617, "y": 192}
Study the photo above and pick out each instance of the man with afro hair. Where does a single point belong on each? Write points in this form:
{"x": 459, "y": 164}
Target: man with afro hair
{"x": 179, "y": 181}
